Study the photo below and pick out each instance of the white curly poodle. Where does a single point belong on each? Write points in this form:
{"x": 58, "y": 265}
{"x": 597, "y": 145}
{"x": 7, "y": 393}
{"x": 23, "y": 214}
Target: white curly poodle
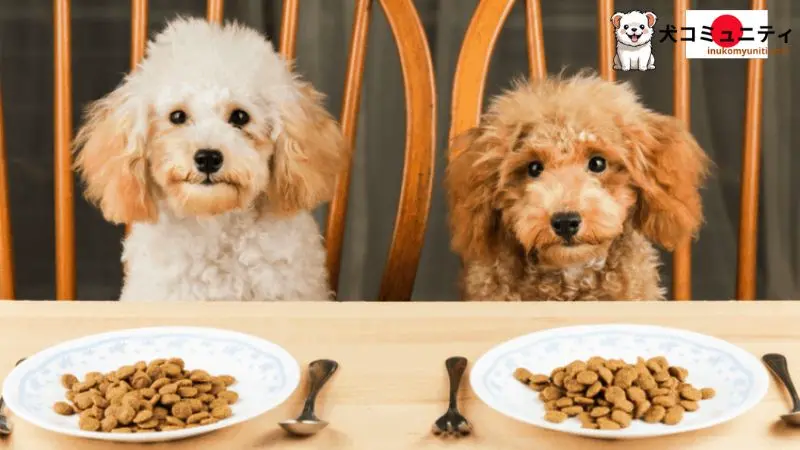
{"x": 216, "y": 153}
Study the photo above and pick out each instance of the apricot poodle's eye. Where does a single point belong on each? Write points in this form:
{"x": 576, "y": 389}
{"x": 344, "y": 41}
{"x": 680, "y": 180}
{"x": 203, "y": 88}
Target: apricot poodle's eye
{"x": 597, "y": 164}
{"x": 178, "y": 117}
{"x": 239, "y": 118}
{"x": 535, "y": 169}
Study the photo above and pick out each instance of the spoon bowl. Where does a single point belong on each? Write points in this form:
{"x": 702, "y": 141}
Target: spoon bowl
{"x": 307, "y": 423}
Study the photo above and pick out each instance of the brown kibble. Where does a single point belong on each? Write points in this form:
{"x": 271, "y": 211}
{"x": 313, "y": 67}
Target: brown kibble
{"x": 223, "y": 412}
{"x": 673, "y": 415}
{"x": 196, "y": 418}
{"x": 84, "y": 400}
{"x": 171, "y": 388}
{"x": 690, "y": 393}
{"x": 625, "y": 377}
{"x": 670, "y": 383}
{"x": 201, "y": 376}
{"x": 600, "y": 411}
{"x": 143, "y": 416}
{"x": 607, "y": 424}
{"x": 595, "y": 362}
{"x": 708, "y": 393}
{"x": 205, "y": 398}
{"x": 99, "y": 401}
{"x": 195, "y": 404}
{"x": 563, "y": 402}
{"x": 614, "y": 394}
{"x": 548, "y": 406}
{"x": 661, "y": 377}
{"x": 125, "y": 371}
{"x": 647, "y": 382}
{"x": 606, "y": 375}
{"x": 569, "y": 410}
{"x": 590, "y": 425}
{"x": 641, "y": 409}
{"x": 140, "y": 365}
{"x": 550, "y": 416}
{"x": 689, "y": 405}
{"x": 170, "y": 399}
{"x": 125, "y": 414}
{"x": 549, "y": 393}
{"x": 587, "y": 377}
{"x": 679, "y": 372}
{"x": 178, "y": 362}
{"x": 149, "y": 424}
{"x": 621, "y": 417}
{"x": 203, "y": 388}
{"x": 228, "y": 380}
{"x": 558, "y": 378}
{"x": 658, "y": 392}
{"x": 171, "y": 420}
{"x": 171, "y": 370}
{"x": 141, "y": 380}
{"x": 159, "y": 383}
{"x": 88, "y": 423}
{"x": 217, "y": 387}
{"x": 187, "y": 392}
{"x": 575, "y": 367}
{"x": 574, "y": 386}
{"x": 625, "y": 405}
{"x": 181, "y": 410}
{"x": 122, "y": 430}
{"x": 222, "y": 402}
{"x": 636, "y": 394}
{"x": 81, "y": 387}
{"x": 170, "y": 428}
{"x": 664, "y": 400}
{"x": 583, "y": 401}
{"x": 594, "y": 389}
{"x": 209, "y": 421}
{"x": 108, "y": 423}
{"x": 522, "y": 374}
{"x": 63, "y": 408}
{"x": 655, "y": 414}
{"x": 68, "y": 380}
{"x": 615, "y": 364}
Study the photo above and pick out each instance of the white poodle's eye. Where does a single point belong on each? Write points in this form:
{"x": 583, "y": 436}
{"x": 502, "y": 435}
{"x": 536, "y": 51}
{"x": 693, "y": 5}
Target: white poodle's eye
{"x": 597, "y": 164}
{"x": 239, "y": 118}
{"x": 625, "y": 26}
{"x": 641, "y": 27}
{"x": 535, "y": 169}
{"x": 178, "y": 117}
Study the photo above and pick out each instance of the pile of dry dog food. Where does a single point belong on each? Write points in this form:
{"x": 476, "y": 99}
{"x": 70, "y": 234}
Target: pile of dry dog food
{"x": 146, "y": 397}
{"x": 610, "y": 394}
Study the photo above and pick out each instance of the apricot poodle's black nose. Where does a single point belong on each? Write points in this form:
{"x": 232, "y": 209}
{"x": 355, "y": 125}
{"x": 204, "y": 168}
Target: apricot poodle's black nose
{"x": 566, "y": 224}
{"x": 208, "y": 160}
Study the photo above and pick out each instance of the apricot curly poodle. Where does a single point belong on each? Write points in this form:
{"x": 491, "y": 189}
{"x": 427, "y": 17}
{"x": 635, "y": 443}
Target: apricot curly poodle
{"x": 564, "y": 187}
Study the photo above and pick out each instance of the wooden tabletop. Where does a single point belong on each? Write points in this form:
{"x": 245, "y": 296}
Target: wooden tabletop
{"x": 392, "y": 385}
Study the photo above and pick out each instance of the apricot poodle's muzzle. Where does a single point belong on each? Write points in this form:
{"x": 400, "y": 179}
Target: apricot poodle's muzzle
{"x": 208, "y": 160}
{"x": 566, "y": 224}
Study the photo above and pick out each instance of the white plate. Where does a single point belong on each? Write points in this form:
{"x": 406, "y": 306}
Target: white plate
{"x": 266, "y": 374}
{"x": 741, "y": 381}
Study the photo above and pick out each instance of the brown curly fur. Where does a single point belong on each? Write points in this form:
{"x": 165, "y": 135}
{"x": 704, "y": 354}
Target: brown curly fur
{"x": 500, "y": 215}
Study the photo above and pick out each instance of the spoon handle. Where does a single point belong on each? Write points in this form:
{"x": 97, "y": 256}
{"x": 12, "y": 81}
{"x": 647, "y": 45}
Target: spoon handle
{"x": 777, "y": 364}
{"x": 319, "y": 372}
{"x": 455, "y": 369}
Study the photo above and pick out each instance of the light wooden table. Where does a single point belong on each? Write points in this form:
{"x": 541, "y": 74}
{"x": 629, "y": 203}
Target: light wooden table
{"x": 392, "y": 385}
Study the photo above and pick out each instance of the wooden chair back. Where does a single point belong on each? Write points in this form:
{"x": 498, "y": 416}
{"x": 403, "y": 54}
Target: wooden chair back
{"x": 468, "y": 95}
{"x": 420, "y": 100}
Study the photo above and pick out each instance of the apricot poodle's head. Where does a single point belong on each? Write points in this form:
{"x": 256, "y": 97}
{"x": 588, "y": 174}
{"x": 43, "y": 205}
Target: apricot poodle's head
{"x": 213, "y": 120}
{"x": 560, "y": 168}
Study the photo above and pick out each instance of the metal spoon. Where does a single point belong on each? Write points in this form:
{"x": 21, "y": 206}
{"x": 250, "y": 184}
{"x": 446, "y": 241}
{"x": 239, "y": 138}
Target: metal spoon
{"x": 777, "y": 364}
{"x": 307, "y": 423}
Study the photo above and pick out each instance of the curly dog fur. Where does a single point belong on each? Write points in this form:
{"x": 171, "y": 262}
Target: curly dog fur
{"x": 560, "y": 190}
{"x": 235, "y": 226}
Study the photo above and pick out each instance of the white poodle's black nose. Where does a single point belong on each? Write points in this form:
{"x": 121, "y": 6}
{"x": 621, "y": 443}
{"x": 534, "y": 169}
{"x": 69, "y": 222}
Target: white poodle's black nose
{"x": 208, "y": 160}
{"x": 566, "y": 224}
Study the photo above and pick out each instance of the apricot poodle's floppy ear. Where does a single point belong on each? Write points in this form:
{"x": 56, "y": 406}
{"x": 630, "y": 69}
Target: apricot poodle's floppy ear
{"x": 310, "y": 153}
{"x": 669, "y": 168}
{"x": 471, "y": 180}
{"x": 111, "y": 157}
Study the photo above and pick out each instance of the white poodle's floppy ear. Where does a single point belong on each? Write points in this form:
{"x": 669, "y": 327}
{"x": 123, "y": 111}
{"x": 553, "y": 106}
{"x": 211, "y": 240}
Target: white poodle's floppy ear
{"x": 616, "y": 18}
{"x": 651, "y": 18}
{"x": 310, "y": 153}
{"x": 111, "y": 158}
{"x": 669, "y": 168}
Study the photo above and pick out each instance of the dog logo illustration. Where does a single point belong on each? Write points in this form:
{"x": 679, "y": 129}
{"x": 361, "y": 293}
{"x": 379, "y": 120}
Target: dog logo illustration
{"x": 634, "y": 33}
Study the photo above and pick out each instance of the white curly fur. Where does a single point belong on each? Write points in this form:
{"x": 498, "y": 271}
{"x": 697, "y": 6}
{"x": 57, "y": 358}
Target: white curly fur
{"x": 244, "y": 233}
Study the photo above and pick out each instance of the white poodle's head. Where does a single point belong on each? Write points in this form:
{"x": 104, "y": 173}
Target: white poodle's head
{"x": 213, "y": 120}
{"x": 634, "y": 28}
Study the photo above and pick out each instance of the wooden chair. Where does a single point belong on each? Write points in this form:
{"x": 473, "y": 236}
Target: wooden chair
{"x": 468, "y": 94}
{"x": 415, "y": 195}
